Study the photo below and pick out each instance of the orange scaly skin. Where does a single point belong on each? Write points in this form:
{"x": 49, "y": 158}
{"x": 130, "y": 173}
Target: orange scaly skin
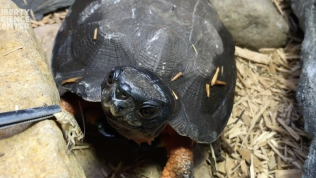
{"x": 92, "y": 111}
{"x": 180, "y": 155}
{"x": 68, "y": 106}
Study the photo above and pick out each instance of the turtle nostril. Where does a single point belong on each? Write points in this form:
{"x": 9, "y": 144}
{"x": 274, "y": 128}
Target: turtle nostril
{"x": 121, "y": 94}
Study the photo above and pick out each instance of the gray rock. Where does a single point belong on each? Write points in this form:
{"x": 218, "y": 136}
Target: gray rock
{"x": 310, "y": 163}
{"x": 298, "y": 8}
{"x": 306, "y": 93}
{"x": 25, "y": 77}
{"x": 46, "y": 35}
{"x": 26, "y": 82}
{"x": 253, "y": 24}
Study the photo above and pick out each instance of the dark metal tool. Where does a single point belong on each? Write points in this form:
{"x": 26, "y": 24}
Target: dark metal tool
{"x": 12, "y": 118}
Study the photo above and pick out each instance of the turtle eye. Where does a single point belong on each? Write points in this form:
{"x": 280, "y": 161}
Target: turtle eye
{"x": 148, "y": 111}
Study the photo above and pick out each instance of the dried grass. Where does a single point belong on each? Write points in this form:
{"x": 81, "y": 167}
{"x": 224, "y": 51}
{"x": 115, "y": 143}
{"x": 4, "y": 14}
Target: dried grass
{"x": 268, "y": 140}
{"x": 51, "y": 18}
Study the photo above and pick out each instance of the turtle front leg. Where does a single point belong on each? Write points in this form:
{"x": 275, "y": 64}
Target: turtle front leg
{"x": 180, "y": 155}
{"x": 73, "y": 104}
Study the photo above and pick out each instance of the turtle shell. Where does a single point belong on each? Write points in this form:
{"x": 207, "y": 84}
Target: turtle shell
{"x": 163, "y": 36}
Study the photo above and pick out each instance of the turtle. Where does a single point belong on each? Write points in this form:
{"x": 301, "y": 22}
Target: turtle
{"x": 163, "y": 67}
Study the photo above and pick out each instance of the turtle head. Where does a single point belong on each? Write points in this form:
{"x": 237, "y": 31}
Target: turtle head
{"x": 137, "y": 102}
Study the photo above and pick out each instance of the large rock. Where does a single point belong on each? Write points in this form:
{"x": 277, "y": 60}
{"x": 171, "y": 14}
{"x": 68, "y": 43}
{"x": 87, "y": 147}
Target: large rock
{"x": 46, "y": 35}
{"x": 253, "y": 24}
{"x": 38, "y": 152}
{"x": 26, "y": 82}
{"x": 306, "y": 93}
{"x": 25, "y": 77}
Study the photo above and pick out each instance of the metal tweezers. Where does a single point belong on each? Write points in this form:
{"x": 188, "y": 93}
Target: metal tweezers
{"x": 12, "y": 118}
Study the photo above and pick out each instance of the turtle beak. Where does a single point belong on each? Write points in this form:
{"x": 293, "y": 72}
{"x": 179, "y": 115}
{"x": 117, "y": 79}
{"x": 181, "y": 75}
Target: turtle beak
{"x": 106, "y": 97}
{"x": 117, "y": 106}
{"x": 109, "y": 105}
